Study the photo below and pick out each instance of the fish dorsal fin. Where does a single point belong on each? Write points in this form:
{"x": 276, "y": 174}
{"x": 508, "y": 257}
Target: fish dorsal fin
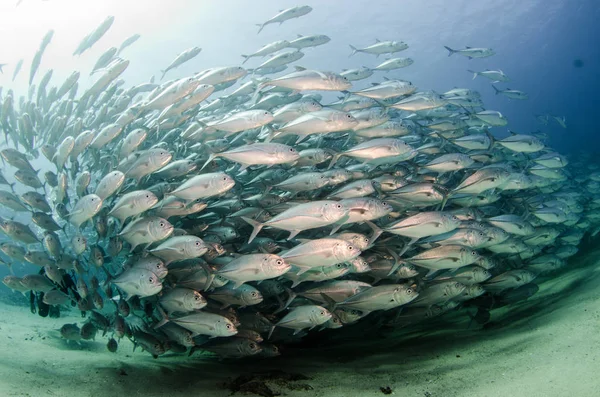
{"x": 299, "y": 35}
{"x": 299, "y": 68}
{"x": 386, "y": 78}
{"x": 374, "y": 84}
{"x": 377, "y": 40}
{"x": 468, "y": 47}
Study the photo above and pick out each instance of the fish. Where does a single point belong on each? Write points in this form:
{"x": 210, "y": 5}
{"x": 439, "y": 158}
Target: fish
{"x": 127, "y": 42}
{"x": 268, "y": 49}
{"x": 308, "y": 41}
{"x": 496, "y": 76}
{"x": 512, "y": 94}
{"x": 146, "y": 230}
{"x": 320, "y": 252}
{"x": 301, "y": 317}
{"x": 17, "y": 69}
{"x": 133, "y": 203}
{"x": 204, "y": 323}
{"x": 471, "y": 52}
{"x": 381, "y": 47}
{"x": 180, "y": 248}
{"x": 302, "y": 217}
{"x": 254, "y": 267}
{"x": 182, "y": 58}
{"x": 182, "y": 300}
{"x": 94, "y": 36}
{"x": 138, "y": 282}
{"x": 394, "y": 63}
{"x": 85, "y": 209}
{"x": 285, "y": 15}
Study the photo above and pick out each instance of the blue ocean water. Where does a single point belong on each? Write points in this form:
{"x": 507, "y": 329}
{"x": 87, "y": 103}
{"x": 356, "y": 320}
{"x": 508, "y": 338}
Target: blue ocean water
{"x": 536, "y": 41}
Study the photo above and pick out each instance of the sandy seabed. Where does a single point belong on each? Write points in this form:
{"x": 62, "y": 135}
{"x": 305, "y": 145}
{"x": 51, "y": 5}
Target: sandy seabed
{"x": 547, "y": 346}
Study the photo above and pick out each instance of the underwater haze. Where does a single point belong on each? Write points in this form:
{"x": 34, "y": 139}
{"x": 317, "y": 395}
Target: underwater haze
{"x": 336, "y": 198}
{"x": 537, "y": 44}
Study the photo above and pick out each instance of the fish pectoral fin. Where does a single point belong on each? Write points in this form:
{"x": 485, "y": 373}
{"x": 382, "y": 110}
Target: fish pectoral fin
{"x": 293, "y": 233}
{"x": 303, "y": 269}
{"x": 238, "y": 284}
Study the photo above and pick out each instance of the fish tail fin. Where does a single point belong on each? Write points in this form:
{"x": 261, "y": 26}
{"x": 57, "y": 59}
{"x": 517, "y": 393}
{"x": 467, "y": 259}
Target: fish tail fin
{"x": 246, "y": 57}
{"x": 354, "y": 50}
{"x": 284, "y": 305}
{"x": 164, "y": 320}
{"x": 450, "y": 50}
{"x": 210, "y": 158}
{"x": 163, "y": 74}
{"x": 397, "y": 261}
{"x": 334, "y": 159}
{"x": 444, "y": 201}
{"x": 260, "y": 27}
{"x": 495, "y": 89}
{"x": 259, "y": 87}
{"x": 271, "y": 332}
{"x": 256, "y": 225}
{"x": 474, "y": 73}
{"x": 331, "y": 304}
{"x": 376, "y": 232}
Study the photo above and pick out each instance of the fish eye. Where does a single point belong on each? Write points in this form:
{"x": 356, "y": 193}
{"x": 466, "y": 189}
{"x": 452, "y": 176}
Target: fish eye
{"x": 197, "y": 243}
{"x": 409, "y": 291}
{"x": 228, "y": 326}
{"x": 252, "y": 345}
{"x": 322, "y": 312}
{"x": 473, "y": 253}
{"x": 162, "y": 224}
{"x": 279, "y": 262}
{"x": 253, "y": 293}
{"x": 350, "y": 247}
{"x": 291, "y": 149}
{"x": 150, "y": 279}
{"x": 338, "y": 206}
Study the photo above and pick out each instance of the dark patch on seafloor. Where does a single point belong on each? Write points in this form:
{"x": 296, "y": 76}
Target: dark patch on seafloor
{"x": 261, "y": 383}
